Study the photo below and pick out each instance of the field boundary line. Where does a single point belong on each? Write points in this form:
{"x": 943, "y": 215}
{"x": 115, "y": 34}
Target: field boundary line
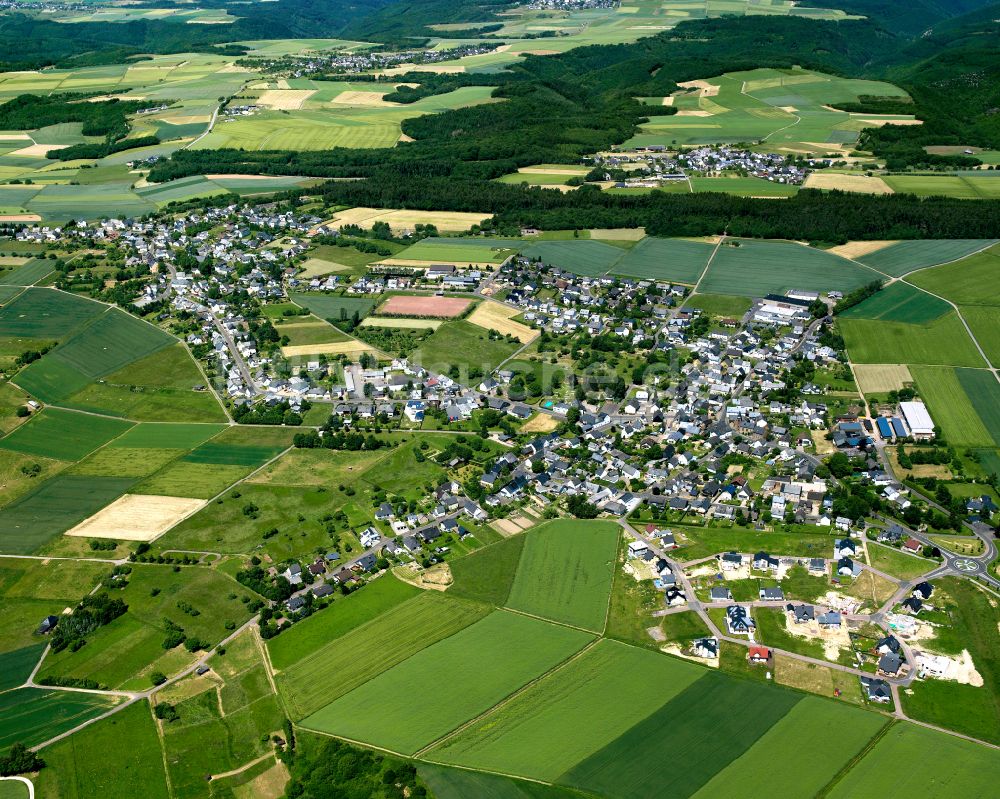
{"x": 992, "y": 243}
{"x": 701, "y": 277}
{"x": 355, "y": 742}
{"x": 163, "y": 748}
{"x": 551, "y": 621}
{"x": 508, "y": 699}
{"x": 850, "y": 764}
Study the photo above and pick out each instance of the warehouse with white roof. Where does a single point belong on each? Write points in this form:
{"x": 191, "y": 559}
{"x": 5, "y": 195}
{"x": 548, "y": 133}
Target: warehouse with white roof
{"x": 918, "y": 420}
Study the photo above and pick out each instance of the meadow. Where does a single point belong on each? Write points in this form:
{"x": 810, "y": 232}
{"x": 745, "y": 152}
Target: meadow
{"x": 484, "y": 662}
{"x": 552, "y": 725}
{"x": 154, "y": 436}
{"x": 565, "y": 572}
{"x": 984, "y": 321}
{"x": 346, "y": 614}
{"x": 984, "y": 392}
{"x": 33, "y": 715}
{"x": 463, "y": 344}
{"x": 358, "y": 656}
{"x": 756, "y": 268}
{"x": 897, "y": 563}
{"x": 76, "y": 767}
{"x": 487, "y": 574}
{"x": 331, "y": 306}
{"x": 16, "y": 666}
{"x": 719, "y": 304}
{"x": 899, "y": 302}
{"x": 941, "y": 342}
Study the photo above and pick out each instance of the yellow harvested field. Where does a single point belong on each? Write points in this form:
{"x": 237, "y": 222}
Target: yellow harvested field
{"x": 542, "y": 423}
{"x": 137, "y": 517}
{"x": 445, "y": 221}
{"x": 570, "y": 171}
{"x": 690, "y": 112}
{"x": 858, "y": 183}
{"x": 878, "y": 122}
{"x": 669, "y": 100}
{"x": 494, "y": 316}
{"x": 402, "y": 322}
{"x": 232, "y": 68}
{"x": 618, "y": 233}
{"x": 37, "y": 150}
{"x": 705, "y": 89}
{"x": 236, "y": 176}
{"x": 20, "y": 218}
{"x": 367, "y": 99}
{"x": 14, "y": 137}
{"x": 315, "y": 267}
{"x": 881, "y": 378}
{"x": 285, "y": 99}
{"x": 191, "y": 119}
{"x": 441, "y": 69}
{"x": 338, "y": 348}
{"x": 858, "y": 249}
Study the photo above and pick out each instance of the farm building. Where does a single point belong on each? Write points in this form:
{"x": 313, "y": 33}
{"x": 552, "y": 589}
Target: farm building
{"x": 884, "y": 429}
{"x": 917, "y": 419}
{"x": 897, "y": 427}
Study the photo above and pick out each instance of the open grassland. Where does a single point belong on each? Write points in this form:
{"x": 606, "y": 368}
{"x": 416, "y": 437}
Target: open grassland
{"x": 311, "y": 331}
{"x": 565, "y": 572}
{"x": 970, "y": 281}
{"x": 195, "y": 480}
{"x": 63, "y": 435}
{"x": 346, "y": 614}
{"x": 724, "y": 305}
{"x": 554, "y": 724}
{"x": 722, "y": 718}
{"x": 360, "y": 655}
{"x": 941, "y": 342}
{"x": 495, "y": 316}
{"x": 54, "y": 507}
{"x": 330, "y": 306}
{"x": 47, "y": 314}
{"x": 485, "y": 663}
{"x": 77, "y": 767}
{"x": 899, "y": 302}
{"x": 487, "y": 574}
{"x": 756, "y": 268}
{"x": 938, "y": 766}
{"x": 743, "y": 186}
{"x": 898, "y": 564}
{"x": 826, "y": 735}
{"x": 463, "y": 344}
{"x": 702, "y": 542}
{"x": 318, "y": 467}
{"x": 33, "y": 715}
{"x": 950, "y": 405}
{"x": 199, "y": 600}
{"x": 907, "y": 256}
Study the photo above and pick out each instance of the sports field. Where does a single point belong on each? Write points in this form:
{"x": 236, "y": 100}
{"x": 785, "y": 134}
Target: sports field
{"x": 565, "y": 572}
{"x": 906, "y": 256}
{"x": 899, "y": 302}
{"x": 484, "y": 663}
{"x": 942, "y": 342}
{"x": 754, "y": 268}
{"x": 950, "y": 406}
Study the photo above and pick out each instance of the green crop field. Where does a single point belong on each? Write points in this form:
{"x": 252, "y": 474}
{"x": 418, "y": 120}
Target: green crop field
{"x": 565, "y": 572}
{"x": 167, "y": 436}
{"x": 47, "y": 314}
{"x": 906, "y": 256}
{"x": 826, "y": 735}
{"x": 484, "y": 663}
{"x": 719, "y": 304}
{"x": 33, "y": 715}
{"x": 457, "y": 251}
{"x": 744, "y": 186}
{"x": 983, "y": 186}
{"x": 756, "y": 268}
{"x": 971, "y": 281}
{"x": 330, "y": 306}
{"x": 247, "y": 446}
{"x": 456, "y": 783}
{"x": 344, "y": 615}
{"x": 899, "y": 302}
{"x": 487, "y": 574}
{"x": 28, "y": 274}
{"x": 64, "y": 435}
{"x": 983, "y": 391}
{"x": 54, "y": 507}
{"x": 77, "y": 767}
{"x": 722, "y": 719}
{"x": 984, "y": 321}
{"x": 942, "y": 342}
{"x": 16, "y": 666}
{"x": 580, "y": 256}
{"x": 362, "y": 654}
{"x": 937, "y": 766}
{"x": 554, "y": 724}
{"x": 196, "y": 480}
{"x": 675, "y": 260}
{"x": 13, "y": 789}
{"x": 463, "y": 344}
